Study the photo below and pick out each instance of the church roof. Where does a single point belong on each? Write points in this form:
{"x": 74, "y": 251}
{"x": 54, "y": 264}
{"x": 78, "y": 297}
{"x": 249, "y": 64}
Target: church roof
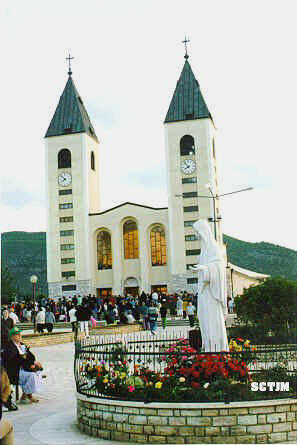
{"x": 249, "y": 273}
{"x": 128, "y": 203}
{"x": 187, "y": 101}
{"x": 70, "y": 115}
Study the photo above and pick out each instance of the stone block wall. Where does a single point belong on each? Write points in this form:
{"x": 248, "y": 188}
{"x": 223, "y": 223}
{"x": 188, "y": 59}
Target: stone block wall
{"x": 169, "y": 423}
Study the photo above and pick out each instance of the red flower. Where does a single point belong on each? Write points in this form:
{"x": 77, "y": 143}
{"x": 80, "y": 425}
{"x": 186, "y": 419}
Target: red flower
{"x": 240, "y": 339}
{"x": 195, "y": 385}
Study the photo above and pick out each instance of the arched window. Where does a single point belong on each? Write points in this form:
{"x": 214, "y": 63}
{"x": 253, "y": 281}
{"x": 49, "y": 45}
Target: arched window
{"x": 64, "y": 158}
{"x": 130, "y": 240}
{"x": 104, "y": 255}
{"x": 187, "y": 145}
{"x": 92, "y": 160}
{"x": 158, "y": 246}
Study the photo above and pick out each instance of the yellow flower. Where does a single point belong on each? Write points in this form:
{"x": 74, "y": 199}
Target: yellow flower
{"x": 158, "y": 385}
{"x": 239, "y": 348}
{"x": 105, "y": 380}
{"x": 123, "y": 375}
{"x": 247, "y": 343}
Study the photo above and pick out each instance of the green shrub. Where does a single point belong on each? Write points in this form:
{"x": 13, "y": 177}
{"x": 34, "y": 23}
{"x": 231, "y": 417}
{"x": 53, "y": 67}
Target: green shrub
{"x": 268, "y": 309}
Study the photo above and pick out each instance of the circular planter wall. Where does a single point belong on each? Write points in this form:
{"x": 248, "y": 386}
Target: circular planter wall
{"x": 238, "y": 422}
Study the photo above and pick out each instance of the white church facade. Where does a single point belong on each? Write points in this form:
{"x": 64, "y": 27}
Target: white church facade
{"x": 131, "y": 247}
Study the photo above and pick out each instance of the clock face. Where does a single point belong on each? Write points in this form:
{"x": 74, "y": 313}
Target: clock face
{"x": 188, "y": 166}
{"x": 64, "y": 179}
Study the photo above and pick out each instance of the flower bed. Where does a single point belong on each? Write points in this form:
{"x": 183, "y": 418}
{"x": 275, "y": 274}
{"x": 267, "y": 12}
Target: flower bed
{"x": 182, "y": 374}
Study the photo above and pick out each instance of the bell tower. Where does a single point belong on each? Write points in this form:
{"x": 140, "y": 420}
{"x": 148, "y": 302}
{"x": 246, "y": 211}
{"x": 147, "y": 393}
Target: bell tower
{"x": 191, "y": 165}
{"x": 72, "y": 184}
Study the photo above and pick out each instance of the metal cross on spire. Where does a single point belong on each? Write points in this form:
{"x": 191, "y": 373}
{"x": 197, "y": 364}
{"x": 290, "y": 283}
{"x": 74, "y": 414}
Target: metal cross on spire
{"x": 69, "y": 58}
{"x": 186, "y": 49}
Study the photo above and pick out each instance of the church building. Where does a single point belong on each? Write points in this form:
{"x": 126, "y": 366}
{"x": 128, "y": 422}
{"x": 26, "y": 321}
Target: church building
{"x": 129, "y": 248}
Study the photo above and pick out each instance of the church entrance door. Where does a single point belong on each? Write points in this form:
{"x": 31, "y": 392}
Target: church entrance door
{"x": 132, "y": 291}
{"x": 104, "y": 292}
{"x": 131, "y": 286}
{"x": 160, "y": 288}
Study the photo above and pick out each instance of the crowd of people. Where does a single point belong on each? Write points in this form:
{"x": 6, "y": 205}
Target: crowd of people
{"x": 82, "y": 311}
{"x": 87, "y": 310}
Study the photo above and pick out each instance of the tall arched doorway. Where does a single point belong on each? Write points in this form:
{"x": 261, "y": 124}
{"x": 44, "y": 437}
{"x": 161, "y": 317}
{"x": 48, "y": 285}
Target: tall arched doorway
{"x": 131, "y": 286}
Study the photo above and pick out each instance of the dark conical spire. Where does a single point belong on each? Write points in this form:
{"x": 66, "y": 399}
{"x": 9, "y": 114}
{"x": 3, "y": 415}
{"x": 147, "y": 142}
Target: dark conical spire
{"x": 70, "y": 115}
{"x": 187, "y": 101}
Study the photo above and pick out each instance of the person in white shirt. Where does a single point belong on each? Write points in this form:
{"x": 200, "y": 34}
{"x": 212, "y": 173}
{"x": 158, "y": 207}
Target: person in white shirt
{"x": 40, "y": 320}
{"x": 13, "y": 316}
{"x": 191, "y": 313}
{"x": 73, "y": 318}
{"x": 155, "y": 297}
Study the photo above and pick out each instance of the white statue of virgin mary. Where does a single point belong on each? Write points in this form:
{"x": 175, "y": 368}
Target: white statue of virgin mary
{"x": 212, "y": 291}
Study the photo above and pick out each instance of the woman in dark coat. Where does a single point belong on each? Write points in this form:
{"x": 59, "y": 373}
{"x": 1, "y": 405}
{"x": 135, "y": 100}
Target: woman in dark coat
{"x": 22, "y": 367}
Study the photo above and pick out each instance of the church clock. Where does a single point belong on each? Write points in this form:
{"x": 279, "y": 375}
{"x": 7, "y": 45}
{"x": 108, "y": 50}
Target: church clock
{"x": 64, "y": 179}
{"x": 188, "y": 166}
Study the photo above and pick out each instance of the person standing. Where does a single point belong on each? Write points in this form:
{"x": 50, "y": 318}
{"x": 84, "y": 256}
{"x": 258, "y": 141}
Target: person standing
{"x": 72, "y": 317}
{"x": 231, "y": 306}
{"x": 144, "y": 313}
{"x": 83, "y": 315}
{"x": 191, "y": 313}
{"x": 163, "y": 313}
{"x": 13, "y": 316}
{"x": 153, "y": 317}
{"x": 49, "y": 320}
{"x": 185, "y": 305}
{"x": 155, "y": 297}
{"x": 6, "y": 326}
{"x": 40, "y": 320}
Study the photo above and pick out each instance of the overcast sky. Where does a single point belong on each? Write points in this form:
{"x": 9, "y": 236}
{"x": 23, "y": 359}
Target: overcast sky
{"x": 128, "y": 57}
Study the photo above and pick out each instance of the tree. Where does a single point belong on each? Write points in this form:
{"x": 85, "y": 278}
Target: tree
{"x": 8, "y": 290}
{"x": 271, "y": 305}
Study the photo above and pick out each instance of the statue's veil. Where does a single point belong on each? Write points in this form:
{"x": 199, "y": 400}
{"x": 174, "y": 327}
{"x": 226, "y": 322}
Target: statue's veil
{"x": 211, "y": 255}
{"x": 210, "y": 250}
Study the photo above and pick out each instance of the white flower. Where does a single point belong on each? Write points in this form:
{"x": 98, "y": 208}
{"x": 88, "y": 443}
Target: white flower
{"x": 206, "y": 385}
{"x": 182, "y": 379}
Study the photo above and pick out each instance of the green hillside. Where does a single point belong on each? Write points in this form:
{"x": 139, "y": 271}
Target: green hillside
{"x": 24, "y": 254}
{"x": 262, "y": 257}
